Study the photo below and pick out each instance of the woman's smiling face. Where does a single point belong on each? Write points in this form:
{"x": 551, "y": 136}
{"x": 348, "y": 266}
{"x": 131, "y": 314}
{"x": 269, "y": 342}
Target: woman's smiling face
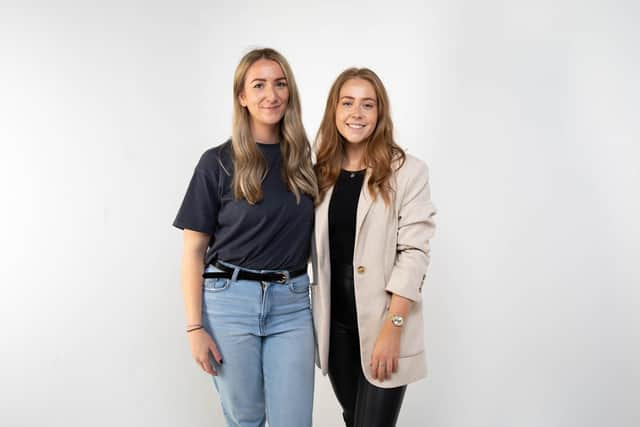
{"x": 357, "y": 110}
{"x": 265, "y": 93}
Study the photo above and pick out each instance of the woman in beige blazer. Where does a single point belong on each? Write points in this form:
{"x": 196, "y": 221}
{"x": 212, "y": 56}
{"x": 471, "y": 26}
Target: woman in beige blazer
{"x": 370, "y": 253}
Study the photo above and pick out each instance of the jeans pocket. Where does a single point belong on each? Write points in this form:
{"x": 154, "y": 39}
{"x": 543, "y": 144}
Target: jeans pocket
{"x": 216, "y": 285}
{"x": 299, "y": 286}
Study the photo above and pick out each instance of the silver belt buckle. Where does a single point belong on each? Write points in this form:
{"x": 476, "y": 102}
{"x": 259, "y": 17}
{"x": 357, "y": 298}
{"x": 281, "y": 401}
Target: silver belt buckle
{"x": 285, "y": 277}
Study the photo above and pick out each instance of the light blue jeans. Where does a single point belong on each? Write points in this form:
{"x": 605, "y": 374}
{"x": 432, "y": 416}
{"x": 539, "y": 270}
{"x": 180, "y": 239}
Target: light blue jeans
{"x": 264, "y": 333}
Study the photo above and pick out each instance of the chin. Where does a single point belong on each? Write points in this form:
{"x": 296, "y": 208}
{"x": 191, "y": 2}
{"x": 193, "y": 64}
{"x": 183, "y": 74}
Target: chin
{"x": 272, "y": 120}
{"x": 358, "y": 138}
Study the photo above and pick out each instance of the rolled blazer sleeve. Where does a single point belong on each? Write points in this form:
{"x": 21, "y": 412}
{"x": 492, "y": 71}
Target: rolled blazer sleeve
{"x": 415, "y": 228}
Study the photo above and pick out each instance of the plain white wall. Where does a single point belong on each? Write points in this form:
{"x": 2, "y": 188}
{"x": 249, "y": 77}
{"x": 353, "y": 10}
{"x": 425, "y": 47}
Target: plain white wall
{"x": 525, "y": 111}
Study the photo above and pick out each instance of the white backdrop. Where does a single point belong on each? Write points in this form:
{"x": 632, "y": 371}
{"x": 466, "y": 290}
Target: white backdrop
{"x": 527, "y": 113}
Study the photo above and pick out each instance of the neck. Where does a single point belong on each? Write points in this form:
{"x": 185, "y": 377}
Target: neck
{"x": 353, "y": 159}
{"x": 266, "y": 134}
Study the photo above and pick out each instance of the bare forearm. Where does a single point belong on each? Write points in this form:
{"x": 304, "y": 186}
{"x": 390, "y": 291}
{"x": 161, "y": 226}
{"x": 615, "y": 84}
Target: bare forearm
{"x": 195, "y": 246}
{"x": 400, "y": 305}
{"x": 192, "y": 287}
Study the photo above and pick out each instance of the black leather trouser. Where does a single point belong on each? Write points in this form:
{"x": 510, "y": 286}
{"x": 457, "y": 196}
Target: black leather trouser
{"x": 363, "y": 404}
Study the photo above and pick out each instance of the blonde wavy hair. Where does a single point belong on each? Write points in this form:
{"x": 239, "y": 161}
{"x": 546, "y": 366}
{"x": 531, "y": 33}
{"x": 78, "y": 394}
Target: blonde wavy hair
{"x": 249, "y": 164}
{"x": 381, "y": 155}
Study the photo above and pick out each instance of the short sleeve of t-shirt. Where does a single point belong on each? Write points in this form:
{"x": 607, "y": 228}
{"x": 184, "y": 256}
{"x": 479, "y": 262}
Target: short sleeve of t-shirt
{"x": 199, "y": 209}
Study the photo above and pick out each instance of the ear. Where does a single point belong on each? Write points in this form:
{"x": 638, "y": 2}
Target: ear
{"x": 243, "y": 99}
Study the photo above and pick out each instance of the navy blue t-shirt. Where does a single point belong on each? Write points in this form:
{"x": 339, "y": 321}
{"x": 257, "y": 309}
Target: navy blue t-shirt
{"x": 273, "y": 234}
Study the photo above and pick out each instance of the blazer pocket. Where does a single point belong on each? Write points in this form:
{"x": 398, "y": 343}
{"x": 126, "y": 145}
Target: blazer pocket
{"x": 412, "y": 339}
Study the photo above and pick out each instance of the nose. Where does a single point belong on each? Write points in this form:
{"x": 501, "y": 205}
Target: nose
{"x": 270, "y": 93}
{"x": 357, "y": 114}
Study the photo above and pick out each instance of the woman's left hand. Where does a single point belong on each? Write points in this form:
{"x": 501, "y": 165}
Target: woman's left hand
{"x": 384, "y": 359}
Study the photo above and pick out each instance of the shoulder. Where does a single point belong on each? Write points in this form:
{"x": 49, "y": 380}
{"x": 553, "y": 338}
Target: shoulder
{"x": 216, "y": 158}
{"x": 413, "y": 169}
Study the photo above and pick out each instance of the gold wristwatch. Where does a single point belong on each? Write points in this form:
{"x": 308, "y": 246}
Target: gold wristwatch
{"x": 396, "y": 319}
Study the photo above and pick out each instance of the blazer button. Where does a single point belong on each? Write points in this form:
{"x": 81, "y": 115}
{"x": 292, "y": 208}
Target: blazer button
{"x": 360, "y": 269}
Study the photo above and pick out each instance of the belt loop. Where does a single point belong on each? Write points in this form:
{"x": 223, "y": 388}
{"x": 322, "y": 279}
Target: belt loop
{"x": 234, "y": 276}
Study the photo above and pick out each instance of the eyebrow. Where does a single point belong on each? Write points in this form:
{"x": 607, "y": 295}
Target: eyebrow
{"x": 264, "y": 80}
{"x": 364, "y": 99}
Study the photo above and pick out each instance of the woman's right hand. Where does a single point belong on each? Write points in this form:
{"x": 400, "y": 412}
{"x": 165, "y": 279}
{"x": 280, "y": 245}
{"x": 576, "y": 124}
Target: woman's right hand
{"x": 201, "y": 344}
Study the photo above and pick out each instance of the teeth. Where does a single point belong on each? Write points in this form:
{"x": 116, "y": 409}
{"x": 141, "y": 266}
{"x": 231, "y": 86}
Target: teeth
{"x": 355, "y": 126}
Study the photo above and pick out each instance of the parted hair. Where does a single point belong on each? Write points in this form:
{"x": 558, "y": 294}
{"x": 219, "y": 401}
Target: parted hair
{"x": 381, "y": 155}
{"x": 250, "y": 167}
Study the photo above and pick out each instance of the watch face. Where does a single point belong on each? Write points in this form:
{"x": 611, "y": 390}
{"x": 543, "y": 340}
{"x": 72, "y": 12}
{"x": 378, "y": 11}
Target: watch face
{"x": 397, "y": 320}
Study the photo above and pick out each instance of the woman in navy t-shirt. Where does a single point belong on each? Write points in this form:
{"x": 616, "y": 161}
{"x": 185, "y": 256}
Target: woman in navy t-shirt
{"x": 248, "y": 214}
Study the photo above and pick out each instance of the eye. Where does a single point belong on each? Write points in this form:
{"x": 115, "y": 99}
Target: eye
{"x": 346, "y": 103}
{"x": 258, "y": 85}
{"x": 281, "y": 83}
{"x": 369, "y": 106}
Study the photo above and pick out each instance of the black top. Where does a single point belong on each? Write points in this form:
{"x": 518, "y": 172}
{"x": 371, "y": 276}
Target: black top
{"x": 273, "y": 234}
{"x": 343, "y": 209}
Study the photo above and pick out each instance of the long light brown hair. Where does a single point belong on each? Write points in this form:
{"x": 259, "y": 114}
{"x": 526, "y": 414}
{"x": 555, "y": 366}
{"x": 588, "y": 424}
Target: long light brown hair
{"x": 249, "y": 164}
{"x": 381, "y": 151}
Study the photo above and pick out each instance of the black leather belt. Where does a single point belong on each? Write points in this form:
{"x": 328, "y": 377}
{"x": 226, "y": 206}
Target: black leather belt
{"x": 227, "y": 273}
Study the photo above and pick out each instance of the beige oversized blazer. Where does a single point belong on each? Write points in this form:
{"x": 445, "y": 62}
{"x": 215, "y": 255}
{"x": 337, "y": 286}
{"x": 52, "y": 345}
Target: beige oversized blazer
{"x": 391, "y": 255}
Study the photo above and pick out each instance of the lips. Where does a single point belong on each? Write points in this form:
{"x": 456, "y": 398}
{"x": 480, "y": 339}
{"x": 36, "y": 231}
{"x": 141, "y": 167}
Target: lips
{"x": 355, "y": 125}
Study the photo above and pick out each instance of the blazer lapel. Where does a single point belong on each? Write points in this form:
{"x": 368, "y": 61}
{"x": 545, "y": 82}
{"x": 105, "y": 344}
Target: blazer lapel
{"x": 322, "y": 220}
{"x": 364, "y": 203}
{"x": 322, "y": 228}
